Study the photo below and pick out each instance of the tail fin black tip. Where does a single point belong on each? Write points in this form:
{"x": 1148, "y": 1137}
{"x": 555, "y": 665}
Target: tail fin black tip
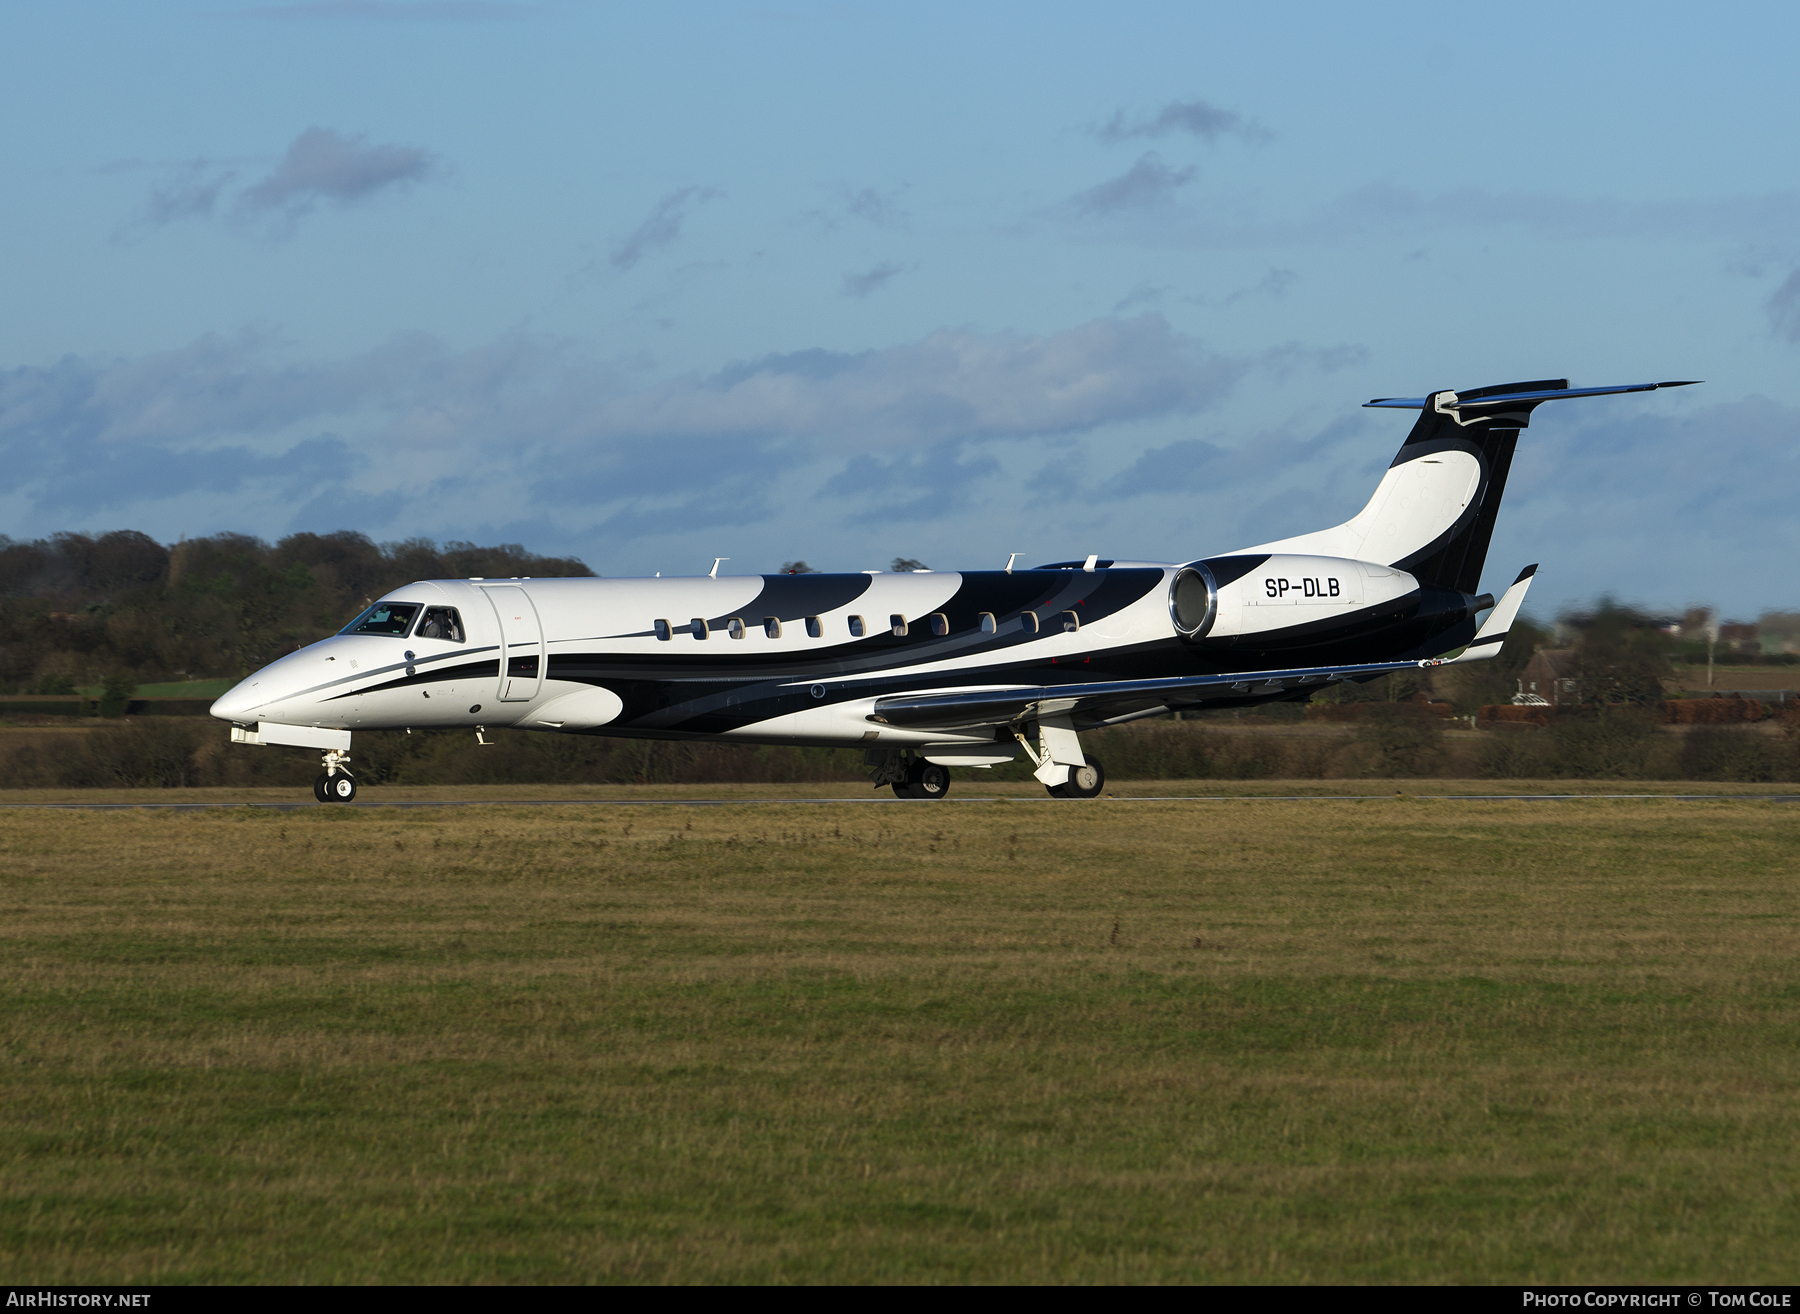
{"x": 1527, "y": 573}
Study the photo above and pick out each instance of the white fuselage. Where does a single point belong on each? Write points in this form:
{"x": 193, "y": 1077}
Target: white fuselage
{"x": 785, "y": 659}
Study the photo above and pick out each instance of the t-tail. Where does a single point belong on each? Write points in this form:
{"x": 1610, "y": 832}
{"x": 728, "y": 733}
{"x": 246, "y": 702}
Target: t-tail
{"x": 1433, "y": 513}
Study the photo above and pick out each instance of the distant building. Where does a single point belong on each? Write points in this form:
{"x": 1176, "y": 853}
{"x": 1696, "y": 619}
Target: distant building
{"x": 1740, "y": 636}
{"x": 1779, "y": 631}
{"x": 1547, "y": 679}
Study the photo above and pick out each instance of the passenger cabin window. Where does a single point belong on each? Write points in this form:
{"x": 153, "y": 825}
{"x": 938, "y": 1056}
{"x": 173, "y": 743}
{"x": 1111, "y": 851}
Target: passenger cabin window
{"x": 523, "y": 666}
{"x": 698, "y": 625}
{"x": 940, "y": 624}
{"x": 735, "y": 627}
{"x": 897, "y": 623}
{"x": 987, "y": 623}
{"x": 814, "y": 628}
{"x": 1029, "y": 620}
{"x": 856, "y": 627}
{"x": 772, "y": 626}
{"x": 391, "y": 619}
{"x": 441, "y": 623}
{"x": 662, "y": 629}
{"x": 1070, "y": 622}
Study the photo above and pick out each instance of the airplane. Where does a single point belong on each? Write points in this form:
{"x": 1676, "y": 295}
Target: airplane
{"x": 932, "y": 670}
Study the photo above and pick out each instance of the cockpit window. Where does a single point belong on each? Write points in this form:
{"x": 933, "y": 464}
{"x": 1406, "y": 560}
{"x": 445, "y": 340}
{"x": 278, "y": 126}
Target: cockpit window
{"x": 393, "y": 619}
{"x": 441, "y": 623}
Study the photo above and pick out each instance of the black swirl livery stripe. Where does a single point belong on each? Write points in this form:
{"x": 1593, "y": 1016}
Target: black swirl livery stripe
{"x": 788, "y": 598}
{"x": 439, "y": 675}
{"x": 1092, "y": 597}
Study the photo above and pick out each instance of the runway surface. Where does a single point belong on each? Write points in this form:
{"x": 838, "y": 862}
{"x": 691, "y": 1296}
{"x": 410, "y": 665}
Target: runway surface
{"x": 300, "y": 805}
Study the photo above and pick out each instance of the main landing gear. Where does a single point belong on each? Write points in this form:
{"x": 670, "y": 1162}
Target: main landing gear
{"x": 911, "y": 777}
{"x": 336, "y": 784}
{"x": 1083, "y": 782}
{"x": 923, "y": 780}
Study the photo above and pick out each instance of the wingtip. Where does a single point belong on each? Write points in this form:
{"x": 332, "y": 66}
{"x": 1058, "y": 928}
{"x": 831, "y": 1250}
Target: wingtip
{"x": 1680, "y": 383}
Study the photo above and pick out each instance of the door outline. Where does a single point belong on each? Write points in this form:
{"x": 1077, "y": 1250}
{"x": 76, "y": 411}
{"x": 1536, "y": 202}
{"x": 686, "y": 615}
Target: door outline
{"x": 520, "y": 636}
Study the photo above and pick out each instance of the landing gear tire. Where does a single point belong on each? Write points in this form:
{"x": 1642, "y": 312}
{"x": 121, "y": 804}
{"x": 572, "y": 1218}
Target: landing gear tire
{"x": 339, "y": 787}
{"x": 933, "y": 781}
{"x": 1084, "y": 782}
{"x": 924, "y": 780}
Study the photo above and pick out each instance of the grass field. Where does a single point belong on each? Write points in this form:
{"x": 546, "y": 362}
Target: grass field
{"x": 1390, "y": 1041}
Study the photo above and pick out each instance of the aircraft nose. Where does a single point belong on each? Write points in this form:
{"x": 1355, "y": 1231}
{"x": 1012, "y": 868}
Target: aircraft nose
{"x": 240, "y": 703}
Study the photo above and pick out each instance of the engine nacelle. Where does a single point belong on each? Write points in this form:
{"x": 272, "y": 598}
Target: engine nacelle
{"x": 1225, "y": 597}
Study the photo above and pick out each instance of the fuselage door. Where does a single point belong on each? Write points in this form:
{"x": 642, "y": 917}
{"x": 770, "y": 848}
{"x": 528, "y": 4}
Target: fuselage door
{"x": 521, "y": 643}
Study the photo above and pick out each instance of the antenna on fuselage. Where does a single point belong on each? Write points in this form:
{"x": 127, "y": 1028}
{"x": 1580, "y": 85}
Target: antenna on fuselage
{"x": 1014, "y": 557}
{"x": 714, "y": 572}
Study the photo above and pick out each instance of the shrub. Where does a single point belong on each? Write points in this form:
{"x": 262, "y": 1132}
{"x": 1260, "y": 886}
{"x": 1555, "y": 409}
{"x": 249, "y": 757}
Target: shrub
{"x": 1404, "y": 736}
{"x": 1514, "y": 754}
{"x": 1732, "y": 754}
{"x": 1614, "y": 744}
{"x": 115, "y": 695}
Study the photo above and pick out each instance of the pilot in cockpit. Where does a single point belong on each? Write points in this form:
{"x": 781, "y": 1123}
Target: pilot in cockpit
{"x": 441, "y": 623}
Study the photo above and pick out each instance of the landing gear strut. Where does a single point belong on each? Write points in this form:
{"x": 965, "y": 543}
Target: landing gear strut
{"x": 1055, "y": 745}
{"x": 336, "y": 785}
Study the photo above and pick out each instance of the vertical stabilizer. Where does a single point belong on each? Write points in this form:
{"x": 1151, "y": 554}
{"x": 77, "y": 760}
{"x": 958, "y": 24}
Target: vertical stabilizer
{"x": 1433, "y": 512}
{"x": 1455, "y": 555}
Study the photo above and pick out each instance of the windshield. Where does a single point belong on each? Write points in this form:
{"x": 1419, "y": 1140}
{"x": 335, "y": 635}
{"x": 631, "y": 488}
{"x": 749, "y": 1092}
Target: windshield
{"x": 393, "y": 619}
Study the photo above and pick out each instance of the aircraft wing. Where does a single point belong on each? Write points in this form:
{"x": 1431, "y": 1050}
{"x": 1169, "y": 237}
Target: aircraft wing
{"x": 1103, "y": 702}
{"x": 1111, "y": 700}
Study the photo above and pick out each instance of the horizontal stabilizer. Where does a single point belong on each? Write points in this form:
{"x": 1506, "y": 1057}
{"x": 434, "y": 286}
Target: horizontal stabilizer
{"x": 1453, "y": 403}
{"x": 1493, "y": 632}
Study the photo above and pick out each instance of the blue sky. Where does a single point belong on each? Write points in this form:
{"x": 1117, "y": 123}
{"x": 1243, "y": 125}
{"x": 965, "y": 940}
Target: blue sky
{"x": 653, "y": 284}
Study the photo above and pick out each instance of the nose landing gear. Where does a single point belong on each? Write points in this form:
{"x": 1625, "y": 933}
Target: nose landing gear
{"x": 336, "y": 785}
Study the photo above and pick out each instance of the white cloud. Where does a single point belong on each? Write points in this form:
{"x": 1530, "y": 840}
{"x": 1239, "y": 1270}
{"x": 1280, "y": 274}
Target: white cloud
{"x": 1784, "y": 308}
{"x": 662, "y": 226}
{"x": 319, "y": 165}
{"x": 871, "y": 280}
{"x": 530, "y": 423}
{"x": 1196, "y": 118}
{"x": 1148, "y": 184}
{"x": 323, "y": 165}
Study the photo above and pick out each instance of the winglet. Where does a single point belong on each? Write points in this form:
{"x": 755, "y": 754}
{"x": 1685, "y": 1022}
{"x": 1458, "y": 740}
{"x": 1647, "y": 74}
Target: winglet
{"x": 1493, "y": 632}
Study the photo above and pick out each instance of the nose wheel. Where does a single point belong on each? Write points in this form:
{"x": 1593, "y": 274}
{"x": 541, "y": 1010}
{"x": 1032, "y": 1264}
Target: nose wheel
{"x": 335, "y": 784}
{"x": 335, "y": 788}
